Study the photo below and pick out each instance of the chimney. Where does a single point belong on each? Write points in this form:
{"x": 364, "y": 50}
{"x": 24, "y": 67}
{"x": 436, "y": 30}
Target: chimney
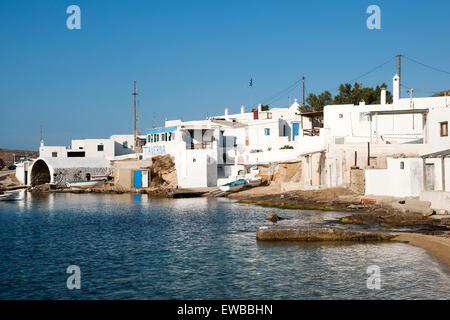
{"x": 396, "y": 88}
{"x": 242, "y": 109}
{"x": 255, "y": 114}
{"x": 383, "y": 96}
{"x": 226, "y": 112}
{"x": 259, "y": 108}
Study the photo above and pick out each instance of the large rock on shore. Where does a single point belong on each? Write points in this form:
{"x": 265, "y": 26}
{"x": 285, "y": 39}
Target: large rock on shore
{"x": 305, "y": 233}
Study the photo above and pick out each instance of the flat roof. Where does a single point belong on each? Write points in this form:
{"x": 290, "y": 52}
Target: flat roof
{"x": 391, "y": 112}
{"x": 439, "y": 154}
{"x": 310, "y": 114}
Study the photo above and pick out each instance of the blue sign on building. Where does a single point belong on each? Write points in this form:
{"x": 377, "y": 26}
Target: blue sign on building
{"x": 156, "y": 150}
{"x": 161, "y": 130}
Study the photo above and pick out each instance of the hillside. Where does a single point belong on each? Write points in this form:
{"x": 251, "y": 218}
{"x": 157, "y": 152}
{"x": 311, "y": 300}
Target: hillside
{"x": 8, "y": 155}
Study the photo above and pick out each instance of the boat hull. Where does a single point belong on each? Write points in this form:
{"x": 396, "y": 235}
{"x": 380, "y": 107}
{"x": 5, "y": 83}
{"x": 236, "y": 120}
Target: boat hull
{"x": 84, "y": 184}
{"x": 11, "y": 196}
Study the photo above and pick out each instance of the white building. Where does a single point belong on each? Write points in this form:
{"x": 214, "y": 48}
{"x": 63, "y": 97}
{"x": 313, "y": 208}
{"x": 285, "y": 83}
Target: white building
{"x": 389, "y": 137}
{"x": 116, "y": 145}
{"x": 224, "y": 148}
{"x": 60, "y": 171}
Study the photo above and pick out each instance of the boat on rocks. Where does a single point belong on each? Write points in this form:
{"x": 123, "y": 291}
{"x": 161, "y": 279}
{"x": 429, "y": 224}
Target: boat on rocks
{"x": 234, "y": 185}
{"x": 11, "y": 196}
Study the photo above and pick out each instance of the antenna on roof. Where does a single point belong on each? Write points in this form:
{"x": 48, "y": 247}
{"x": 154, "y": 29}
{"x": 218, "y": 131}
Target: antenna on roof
{"x": 134, "y": 100}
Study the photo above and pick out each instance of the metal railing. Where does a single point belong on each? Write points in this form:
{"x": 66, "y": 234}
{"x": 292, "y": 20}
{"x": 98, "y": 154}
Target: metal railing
{"x": 311, "y": 132}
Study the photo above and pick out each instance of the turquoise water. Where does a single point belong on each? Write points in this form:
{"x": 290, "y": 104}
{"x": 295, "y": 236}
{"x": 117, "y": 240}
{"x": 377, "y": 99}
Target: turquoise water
{"x": 133, "y": 247}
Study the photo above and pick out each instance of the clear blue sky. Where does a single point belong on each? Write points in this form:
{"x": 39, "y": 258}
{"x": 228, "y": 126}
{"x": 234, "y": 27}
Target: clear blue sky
{"x": 194, "y": 58}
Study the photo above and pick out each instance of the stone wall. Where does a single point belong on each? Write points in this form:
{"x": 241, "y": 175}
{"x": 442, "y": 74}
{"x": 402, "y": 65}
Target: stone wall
{"x": 64, "y": 175}
{"x": 357, "y": 181}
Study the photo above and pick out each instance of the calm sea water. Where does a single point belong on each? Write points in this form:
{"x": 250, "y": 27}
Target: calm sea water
{"x": 133, "y": 247}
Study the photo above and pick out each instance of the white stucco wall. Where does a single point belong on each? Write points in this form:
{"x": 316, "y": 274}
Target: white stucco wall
{"x": 47, "y": 151}
{"x": 439, "y": 200}
{"x": 435, "y": 141}
{"x": 395, "y": 181}
{"x": 350, "y": 123}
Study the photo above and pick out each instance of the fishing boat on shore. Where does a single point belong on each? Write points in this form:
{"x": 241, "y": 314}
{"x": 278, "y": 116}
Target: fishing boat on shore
{"x": 11, "y": 196}
{"x": 234, "y": 185}
{"x": 84, "y": 184}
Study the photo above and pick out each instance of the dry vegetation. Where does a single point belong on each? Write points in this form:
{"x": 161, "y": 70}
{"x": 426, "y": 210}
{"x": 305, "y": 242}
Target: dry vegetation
{"x": 8, "y": 155}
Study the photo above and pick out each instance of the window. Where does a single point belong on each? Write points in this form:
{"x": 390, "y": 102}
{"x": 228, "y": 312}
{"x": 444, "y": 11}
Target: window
{"x": 75, "y": 154}
{"x": 339, "y": 140}
{"x": 444, "y": 129}
{"x": 54, "y": 154}
{"x": 267, "y": 131}
{"x": 100, "y": 147}
{"x": 148, "y": 138}
{"x": 402, "y": 165}
{"x": 341, "y": 115}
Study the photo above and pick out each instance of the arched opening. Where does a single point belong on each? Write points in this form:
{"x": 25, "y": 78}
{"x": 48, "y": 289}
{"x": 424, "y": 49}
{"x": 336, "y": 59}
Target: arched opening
{"x": 40, "y": 173}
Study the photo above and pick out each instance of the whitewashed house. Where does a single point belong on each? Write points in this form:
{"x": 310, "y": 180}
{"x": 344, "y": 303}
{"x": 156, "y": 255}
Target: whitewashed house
{"x": 224, "y": 148}
{"x": 365, "y": 136}
{"x": 58, "y": 165}
{"x": 116, "y": 145}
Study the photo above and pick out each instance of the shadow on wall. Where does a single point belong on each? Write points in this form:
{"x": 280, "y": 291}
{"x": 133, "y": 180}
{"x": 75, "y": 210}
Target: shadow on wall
{"x": 40, "y": 173}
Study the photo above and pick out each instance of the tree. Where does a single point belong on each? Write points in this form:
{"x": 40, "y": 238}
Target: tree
{"x": 348, "y": 94}
{"x": 265, "y": 107}
{"x": 357, "y": 93}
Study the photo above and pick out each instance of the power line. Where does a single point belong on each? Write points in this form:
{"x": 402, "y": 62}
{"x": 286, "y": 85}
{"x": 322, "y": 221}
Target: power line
{"x": 430, "y": 91}
{"x": 366, "y": 73}
{"x": 426, "y": 66}
{"x": 282, "y": 93}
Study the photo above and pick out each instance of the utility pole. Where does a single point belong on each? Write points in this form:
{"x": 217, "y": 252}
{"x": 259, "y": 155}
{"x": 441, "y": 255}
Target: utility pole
{"x": 303, "y": 82}
{"x": 134, "y": 100}
{"x": 411, "y": 105}
{"x": 399, "y": 56}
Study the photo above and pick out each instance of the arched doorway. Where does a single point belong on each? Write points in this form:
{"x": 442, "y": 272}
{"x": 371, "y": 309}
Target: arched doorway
{"x": 40, "y": 173}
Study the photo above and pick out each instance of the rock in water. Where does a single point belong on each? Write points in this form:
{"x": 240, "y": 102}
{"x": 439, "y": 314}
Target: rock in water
{"x": 274, "y": 218}
{"x": 307, "y": 233}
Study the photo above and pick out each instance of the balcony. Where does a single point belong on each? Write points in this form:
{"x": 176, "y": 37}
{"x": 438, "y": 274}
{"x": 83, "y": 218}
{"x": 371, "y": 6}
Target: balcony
{"x": 311, "y": 132}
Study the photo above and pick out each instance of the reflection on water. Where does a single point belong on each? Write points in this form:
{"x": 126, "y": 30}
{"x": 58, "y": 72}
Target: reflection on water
{"x": 132, "y": 247}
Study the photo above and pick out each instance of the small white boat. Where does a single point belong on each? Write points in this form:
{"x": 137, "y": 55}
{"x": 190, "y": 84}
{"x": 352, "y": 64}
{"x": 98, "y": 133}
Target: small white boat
{"x": 84, "y": 184}
{"x": 233, "y": 185}
{"x": 11, "y": 196}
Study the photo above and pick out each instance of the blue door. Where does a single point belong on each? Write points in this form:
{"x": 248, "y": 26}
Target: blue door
{"x": 295, "y": 129}
{"x": 137, "y": 179}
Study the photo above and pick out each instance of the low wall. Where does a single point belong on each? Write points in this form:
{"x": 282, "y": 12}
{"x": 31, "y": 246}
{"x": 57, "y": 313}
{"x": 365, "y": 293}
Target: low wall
{"x": 439, "y": 200}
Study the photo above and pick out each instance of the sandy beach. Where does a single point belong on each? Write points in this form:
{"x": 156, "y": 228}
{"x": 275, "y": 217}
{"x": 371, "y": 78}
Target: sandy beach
{"x": 437, "y": 246}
